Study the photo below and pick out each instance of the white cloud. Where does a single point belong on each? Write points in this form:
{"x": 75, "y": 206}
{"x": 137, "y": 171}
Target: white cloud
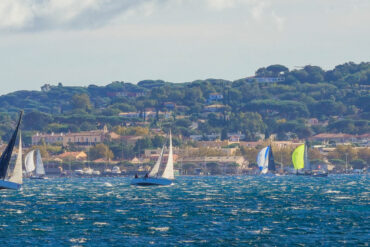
{"x": 34, "y": 15}
{"x": 52, "y": 14}
{"x": 258, "y": 10}
{"x": 14, "y": 14}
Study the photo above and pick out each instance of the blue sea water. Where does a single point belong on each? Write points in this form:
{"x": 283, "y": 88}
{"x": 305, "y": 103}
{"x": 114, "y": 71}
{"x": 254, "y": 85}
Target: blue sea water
{"x": 194, "y": 211}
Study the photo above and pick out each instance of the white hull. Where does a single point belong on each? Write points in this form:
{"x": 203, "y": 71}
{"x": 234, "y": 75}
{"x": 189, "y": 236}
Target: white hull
{"x": 150, "y": 181}
{"x": 9, "y": 185}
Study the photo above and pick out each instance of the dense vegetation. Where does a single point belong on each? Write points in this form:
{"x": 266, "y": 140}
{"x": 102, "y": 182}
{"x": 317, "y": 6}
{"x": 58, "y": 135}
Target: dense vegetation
{"x": 340, "y": 98}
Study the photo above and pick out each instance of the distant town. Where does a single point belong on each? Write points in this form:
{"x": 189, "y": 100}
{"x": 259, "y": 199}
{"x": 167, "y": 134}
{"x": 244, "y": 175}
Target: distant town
{"x": 218, "y": 126}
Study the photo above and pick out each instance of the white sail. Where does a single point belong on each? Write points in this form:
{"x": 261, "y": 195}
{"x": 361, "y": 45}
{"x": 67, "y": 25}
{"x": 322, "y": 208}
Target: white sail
{"x": 39, "y": 164}
{"x": 16, "y": 176}
{"x": 29, "y": 163}
{"x": 154, "y": 171}
{"x": 168, "y": 171}
{"x": 263, "y": 160}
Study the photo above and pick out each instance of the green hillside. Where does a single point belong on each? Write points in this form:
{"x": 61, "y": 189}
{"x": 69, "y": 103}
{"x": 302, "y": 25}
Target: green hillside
{"x": 276, "y": 100}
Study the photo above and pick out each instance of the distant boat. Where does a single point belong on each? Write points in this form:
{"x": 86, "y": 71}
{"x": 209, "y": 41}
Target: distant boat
{"x": 86, "y": 171}
{"x": 12, "y": 179}
{"x": 153, "y": 177}
{"x": 30, "y": 165}
{"x": 302, "y": 164}
{"x": 116, "y": 170}
{"x": 265, "y": 160}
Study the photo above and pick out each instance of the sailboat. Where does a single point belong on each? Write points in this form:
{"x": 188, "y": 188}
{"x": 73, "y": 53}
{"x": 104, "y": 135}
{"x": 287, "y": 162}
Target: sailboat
{"x": 265, "y": 160}
{"x": 12, "y": 179}
{"x": 30, "y": 165}
{"x": 302, "y": 164}
{"x": 153, "y": 177}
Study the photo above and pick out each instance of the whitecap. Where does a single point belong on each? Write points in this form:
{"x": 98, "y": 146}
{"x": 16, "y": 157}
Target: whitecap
{"x": 161, "y": 229}
{"x": 255, "y": 232}
{"x": 78, "y": 240}
{"x": 332, "y": 192}
{"x": 343, "y": 197}
{"x": 108, "y": 184}
{"x": 100, "y": 223}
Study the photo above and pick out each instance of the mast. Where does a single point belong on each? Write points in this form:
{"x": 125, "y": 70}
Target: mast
{"x": 7, "y": 154}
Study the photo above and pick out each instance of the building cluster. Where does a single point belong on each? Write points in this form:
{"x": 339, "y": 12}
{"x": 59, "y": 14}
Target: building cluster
{"x": 81, "y": 138}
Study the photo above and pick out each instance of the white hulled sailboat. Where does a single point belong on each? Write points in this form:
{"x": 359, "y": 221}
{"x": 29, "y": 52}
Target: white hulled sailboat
{"x": 153, "y": 178}
{"x": 12, "y": 179}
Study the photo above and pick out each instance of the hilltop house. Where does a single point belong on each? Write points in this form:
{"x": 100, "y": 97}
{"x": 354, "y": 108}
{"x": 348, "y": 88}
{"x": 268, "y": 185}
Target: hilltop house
{"x": 215, "y": 97}
{"x": 149, "y": 113}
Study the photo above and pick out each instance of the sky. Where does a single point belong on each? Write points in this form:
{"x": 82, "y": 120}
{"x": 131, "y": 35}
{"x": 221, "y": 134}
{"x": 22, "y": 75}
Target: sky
{"x": 83, "y": 42}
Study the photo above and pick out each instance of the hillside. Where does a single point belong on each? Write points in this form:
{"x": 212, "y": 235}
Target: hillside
{"x": 297, "y": 103}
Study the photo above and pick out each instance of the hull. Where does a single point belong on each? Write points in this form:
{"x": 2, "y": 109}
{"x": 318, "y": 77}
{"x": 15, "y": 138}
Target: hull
{"x": 9, "y": 185}
{"x": 36, "y": 177}
{"x": 150, "y": 181}
{"x": 268, "y": 174}
{"x": 303, "y": 174}
{"x": 320, "y": 175}
{"x": 313, "y": 174}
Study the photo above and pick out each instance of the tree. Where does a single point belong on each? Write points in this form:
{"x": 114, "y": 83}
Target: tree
{"x": 343, "y": 152}
{"x": 143, "y": 144}
{"x": 213, "y": 168}
{"x": 188, "y": 168}
{"x": 158, "y": 141}
{"x": 364, "y": 154}
{"x": 36, "y": 120}
{"x": 81, "y": 101}
{"x": 277, "y": 69}
{"x": 250, "y": 123}
{"x": 100, "y": 151}
{"x": 358, "y": 164}
{"x": 224, "y": 134}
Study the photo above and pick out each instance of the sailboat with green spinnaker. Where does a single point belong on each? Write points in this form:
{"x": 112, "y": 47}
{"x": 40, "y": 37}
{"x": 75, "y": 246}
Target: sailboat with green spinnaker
{"x": 302, "y": 164}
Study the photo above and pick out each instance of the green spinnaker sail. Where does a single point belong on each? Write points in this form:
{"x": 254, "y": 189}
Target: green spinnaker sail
{"x": 298, "y": 157}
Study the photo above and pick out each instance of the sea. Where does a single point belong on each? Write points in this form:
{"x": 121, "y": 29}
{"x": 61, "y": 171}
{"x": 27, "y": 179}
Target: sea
{"x": 194, "y": 211}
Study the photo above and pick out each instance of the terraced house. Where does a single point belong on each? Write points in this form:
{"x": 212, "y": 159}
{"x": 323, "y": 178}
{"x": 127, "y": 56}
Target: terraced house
{"x": 81, "y": 138}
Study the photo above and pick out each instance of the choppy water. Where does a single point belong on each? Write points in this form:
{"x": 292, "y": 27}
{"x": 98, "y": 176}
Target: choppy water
{"x": 195, "y": 211}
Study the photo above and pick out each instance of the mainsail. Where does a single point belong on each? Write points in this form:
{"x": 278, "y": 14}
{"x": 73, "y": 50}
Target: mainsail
{"x": 39, "y": 164}
{"x": 262, "y": 159}
{"x": 298, "y": 157}
{"x": 29, "y": 163}
{"x": 7, "y": 154}
{"x": 154, "y": 171}
{"x": 168, "y": 171}
{"x": 16, "y": 176}
{"x": 271, "y": 161}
